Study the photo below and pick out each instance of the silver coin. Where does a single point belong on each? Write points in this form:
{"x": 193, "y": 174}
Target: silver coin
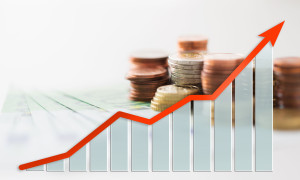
{"x": 185, "y": 67}
{"x": 186, "y": 71}
{"x": 185, "y": 62}
{"x": 186, "y": 76}
{"x": 180, "y": 81}
{"x": 188, "y": 58}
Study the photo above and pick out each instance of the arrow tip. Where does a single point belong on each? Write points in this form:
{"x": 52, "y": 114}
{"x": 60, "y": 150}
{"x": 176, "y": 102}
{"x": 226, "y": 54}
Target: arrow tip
{"x": 272, "y": 34}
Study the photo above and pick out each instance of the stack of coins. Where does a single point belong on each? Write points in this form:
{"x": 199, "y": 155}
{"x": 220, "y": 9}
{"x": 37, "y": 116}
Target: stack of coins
{"x": 216, "y": 68}
{"x": 287, "y": 76}
{"x": 186, "y": 68}
{"x": 149, "y": 70}
{"x": 192, "y": 43}
{"x": 168, "y": 95}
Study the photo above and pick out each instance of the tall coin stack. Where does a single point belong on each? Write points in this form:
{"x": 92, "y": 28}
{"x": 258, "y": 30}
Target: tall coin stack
{"x": 149, "y": 70}
{"x": 168, "y": 95}
{"x": 192, "y": 43}
{"x": 186, "y": 68}
{"x": 216, "y": 69}
{"x": 287, "y": 77}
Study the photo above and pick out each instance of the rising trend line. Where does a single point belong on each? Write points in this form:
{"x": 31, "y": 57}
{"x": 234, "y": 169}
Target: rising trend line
{"x": 268, "y": 36}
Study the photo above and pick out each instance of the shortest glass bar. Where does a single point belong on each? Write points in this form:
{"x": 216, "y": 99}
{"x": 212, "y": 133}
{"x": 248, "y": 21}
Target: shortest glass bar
{"x": 37, "y": 168}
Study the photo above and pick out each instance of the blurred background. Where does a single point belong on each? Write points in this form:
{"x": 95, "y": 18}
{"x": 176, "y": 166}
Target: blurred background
{"x": 75, "y": 43}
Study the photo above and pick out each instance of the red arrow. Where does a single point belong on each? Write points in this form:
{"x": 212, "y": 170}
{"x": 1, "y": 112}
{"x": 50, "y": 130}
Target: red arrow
{"x": 270, "y": 35}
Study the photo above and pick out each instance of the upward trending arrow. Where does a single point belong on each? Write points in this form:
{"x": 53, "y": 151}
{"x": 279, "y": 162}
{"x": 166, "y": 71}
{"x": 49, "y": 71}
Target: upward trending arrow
{"x": 269, "y": 35}
{"x": 272, "y": 34}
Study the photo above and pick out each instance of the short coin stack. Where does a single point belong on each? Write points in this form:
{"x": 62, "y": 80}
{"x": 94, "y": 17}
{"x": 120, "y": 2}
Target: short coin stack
{"x": 216, "y": 68}
{"x": 149, "y": 70}
{"x": 287, "y": 77}
{"x": 168, "y": 95}
{"x": 186, "y": 68}
{"x": 192, "y": 43}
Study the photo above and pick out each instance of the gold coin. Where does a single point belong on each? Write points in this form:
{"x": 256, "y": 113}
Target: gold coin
{"x": 158, "y": 107}
{"x": 170, "y": 98}
{"x": 177, "y": 90}
{"x": 163, "y": 100}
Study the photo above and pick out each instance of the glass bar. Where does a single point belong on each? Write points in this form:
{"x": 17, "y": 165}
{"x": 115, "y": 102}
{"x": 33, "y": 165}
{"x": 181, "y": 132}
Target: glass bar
{"x": 98, "y": 152}
{"x": 223, "y": 125}
{"x": 57, "y": 166}
{"x": 160, "y": 144}
{"x": 37, "y": 168}
{"x": 139, "y": 146}
{"x": 264, "y": 109}
{"x": 181, "y": 138}
{"x": 202, "y": 125}
{"x": 78, "y": 160}
{"x": 244, "y": 119}
{"x": 119, "y": 145}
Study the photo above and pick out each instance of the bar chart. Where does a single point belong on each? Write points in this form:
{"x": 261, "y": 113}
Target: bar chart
{"x": 185, "y": 137}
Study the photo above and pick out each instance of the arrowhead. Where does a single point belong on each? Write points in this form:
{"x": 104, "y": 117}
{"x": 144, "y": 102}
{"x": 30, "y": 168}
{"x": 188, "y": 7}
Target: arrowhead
{"x": 272, "y": 34}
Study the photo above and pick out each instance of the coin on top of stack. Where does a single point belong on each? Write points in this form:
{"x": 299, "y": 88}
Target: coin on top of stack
{"x": 148, "y": 58}
{"x": 168, "y": 95}
{"x": 287, "y": 77}
{"x": 149, "y": 70}
{"x": 186, "y": 68}
{"x": 192, "y": 43}
{"x": 216, "y": 68}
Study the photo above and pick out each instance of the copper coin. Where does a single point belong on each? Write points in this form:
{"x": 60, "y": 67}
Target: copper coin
{"x": 287, "y": 62}
{"x": 288, "y": 75}
{"x": 156, "y": 81}
{"x": 213, "y": 76}
{"x": 192, "y": 38}
{"x": 223, "y": 60}
{"x": 217, "y": 72}
{"x": 192, "y": 48}
{"x": 149, "y": 73}
{"x": 149, "y": 55}
{"x": 287, "y": 70}
{"x": 286, "y": 78}
{"x": 149, "y": 63}
{"x": 144, "y": 86}
{"x": 140, "y": 99}
{"x": 287, "y": 94}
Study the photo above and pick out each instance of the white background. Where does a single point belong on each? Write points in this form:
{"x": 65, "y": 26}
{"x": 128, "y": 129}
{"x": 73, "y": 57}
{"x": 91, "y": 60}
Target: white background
{"x": 80, "y": 43}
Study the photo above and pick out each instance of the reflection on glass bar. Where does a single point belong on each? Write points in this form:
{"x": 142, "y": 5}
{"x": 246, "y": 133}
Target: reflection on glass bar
{"x": 223, "y": 125}
{"x": 264, "y": 108}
